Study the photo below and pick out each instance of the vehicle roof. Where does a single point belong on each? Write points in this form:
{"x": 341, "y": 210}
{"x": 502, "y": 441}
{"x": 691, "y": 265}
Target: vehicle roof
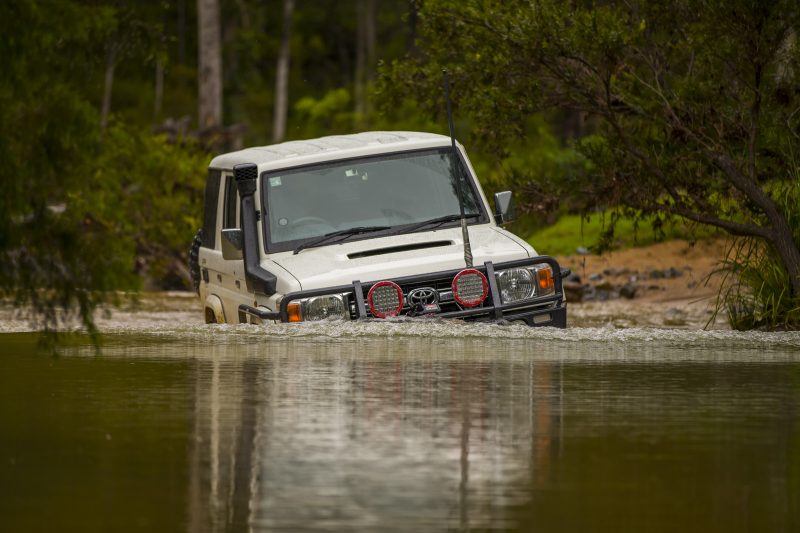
{"x": 331, "y": 147}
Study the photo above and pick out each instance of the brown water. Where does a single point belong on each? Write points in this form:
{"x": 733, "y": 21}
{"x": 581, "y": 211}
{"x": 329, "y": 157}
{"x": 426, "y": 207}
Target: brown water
{"x": 421, "y": 426}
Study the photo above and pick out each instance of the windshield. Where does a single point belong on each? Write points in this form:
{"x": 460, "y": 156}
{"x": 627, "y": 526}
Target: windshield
{"x": 391, "y": 191}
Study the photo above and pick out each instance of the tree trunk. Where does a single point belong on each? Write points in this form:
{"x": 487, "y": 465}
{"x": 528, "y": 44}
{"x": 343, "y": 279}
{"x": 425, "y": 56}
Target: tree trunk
{"x": 181, "y": 32}
{"x": 413, "y": 17}
{"x": 370, "y": 42}
{"x": 108, "y": 86}
{"x": 158, "y": 97}
{"x": 282, "y": 75}
{"x": 789, "y": 253}
{"x": 780, "y": 233}
{"x": 359, "y": 80}
{"x": 210, "y": 65}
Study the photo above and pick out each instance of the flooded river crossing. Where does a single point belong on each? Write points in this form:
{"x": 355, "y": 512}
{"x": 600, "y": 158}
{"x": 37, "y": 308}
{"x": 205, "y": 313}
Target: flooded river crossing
{"x": 401, "y": 426}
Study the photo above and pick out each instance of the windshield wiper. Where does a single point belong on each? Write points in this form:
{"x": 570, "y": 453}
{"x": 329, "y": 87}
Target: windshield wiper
{"x": 438, "y": 221}
{"x": 341, "y": 233}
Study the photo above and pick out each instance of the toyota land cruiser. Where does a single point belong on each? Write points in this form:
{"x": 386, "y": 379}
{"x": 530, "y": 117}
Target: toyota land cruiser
{"x": 364, "y": 226}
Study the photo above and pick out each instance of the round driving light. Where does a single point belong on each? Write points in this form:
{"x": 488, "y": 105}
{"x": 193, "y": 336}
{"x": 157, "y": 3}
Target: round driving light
{"x": 470, "y": 287}
{"x": 385, "y": 298}
{"x": 515, "y": 284}
{"x": 322, "y": 307}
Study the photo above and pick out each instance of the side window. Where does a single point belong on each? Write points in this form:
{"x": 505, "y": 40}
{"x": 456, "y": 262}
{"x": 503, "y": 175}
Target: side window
{"x": 211, "y": 202}
{"x": 230, "y": 217}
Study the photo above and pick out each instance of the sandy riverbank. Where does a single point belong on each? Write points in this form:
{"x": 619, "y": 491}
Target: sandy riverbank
{"x": 675, "y": 285}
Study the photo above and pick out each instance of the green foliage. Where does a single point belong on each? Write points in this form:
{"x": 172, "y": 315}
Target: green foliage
{"x": 640, "y": 110}
{"x": 53, "y": 254}
{"x": 690, "y": 107}
{"x": 758, "y": 293}
{"x": 324, "y": 43}
{"x": 333, "y": 113}
{"x": 157, "y": 188}
{"x": 75, "y": 211}
{"x": 84, "y": 214}
{"x": 570, "y": 232}
{"x": 529, "y": 170}
{"x": 756, "y": 290}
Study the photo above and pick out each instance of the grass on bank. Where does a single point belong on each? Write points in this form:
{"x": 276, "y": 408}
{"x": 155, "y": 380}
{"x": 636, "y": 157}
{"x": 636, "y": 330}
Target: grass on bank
{"x": 572, "y": 232}
{"x": 756, "y": 290}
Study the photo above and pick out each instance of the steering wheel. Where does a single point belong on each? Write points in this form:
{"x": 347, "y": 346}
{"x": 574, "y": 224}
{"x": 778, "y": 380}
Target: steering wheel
{"x": 310, "y": 220}
{"x": 389, "y": 212}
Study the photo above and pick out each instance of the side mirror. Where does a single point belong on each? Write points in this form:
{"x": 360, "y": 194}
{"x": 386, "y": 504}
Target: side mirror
{"x": 232, "y": 243}
{"x": 503, "y": 207}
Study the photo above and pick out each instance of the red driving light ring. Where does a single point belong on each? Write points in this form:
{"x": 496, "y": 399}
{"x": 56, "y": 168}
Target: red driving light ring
{"x": 470, "y": 303}
{"x": 381, "y": 314}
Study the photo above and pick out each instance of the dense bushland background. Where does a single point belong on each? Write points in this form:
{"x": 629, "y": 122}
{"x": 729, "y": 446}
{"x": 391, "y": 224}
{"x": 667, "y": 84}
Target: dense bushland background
{"x": 629, "y": 112}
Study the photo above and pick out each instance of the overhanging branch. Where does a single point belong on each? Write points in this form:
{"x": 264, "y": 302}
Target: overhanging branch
{"x": 734, "y": 228}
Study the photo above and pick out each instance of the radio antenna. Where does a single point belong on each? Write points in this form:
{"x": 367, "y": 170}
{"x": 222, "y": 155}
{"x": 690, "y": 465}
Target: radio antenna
{"x": 454, "y": 172}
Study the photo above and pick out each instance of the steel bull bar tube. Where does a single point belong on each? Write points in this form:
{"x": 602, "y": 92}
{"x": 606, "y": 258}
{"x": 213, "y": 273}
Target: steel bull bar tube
{"x": 525, "y": 310}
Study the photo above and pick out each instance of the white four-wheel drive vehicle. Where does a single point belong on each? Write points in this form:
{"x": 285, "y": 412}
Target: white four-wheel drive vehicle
{"x": 363, "y": 226}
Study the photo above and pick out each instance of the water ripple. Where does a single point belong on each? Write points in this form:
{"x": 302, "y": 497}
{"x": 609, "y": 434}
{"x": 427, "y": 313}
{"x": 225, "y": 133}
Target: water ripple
{"x": 447, "y": 329}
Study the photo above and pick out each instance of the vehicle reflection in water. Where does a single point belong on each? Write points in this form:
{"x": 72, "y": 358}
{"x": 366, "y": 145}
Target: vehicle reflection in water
{"x": 348, "y": 440}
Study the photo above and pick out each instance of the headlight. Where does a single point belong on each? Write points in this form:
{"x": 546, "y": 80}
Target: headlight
{"x": 318, "y": 308}
{"x": 515, "y": 284}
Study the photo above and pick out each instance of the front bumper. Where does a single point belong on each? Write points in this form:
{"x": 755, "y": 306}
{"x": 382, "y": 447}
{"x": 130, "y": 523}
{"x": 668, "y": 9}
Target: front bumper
{"x": 548, "y": 310}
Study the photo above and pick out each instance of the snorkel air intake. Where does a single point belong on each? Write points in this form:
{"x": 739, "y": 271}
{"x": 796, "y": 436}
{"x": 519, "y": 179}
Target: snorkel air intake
{"x": 258, "y": 279}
